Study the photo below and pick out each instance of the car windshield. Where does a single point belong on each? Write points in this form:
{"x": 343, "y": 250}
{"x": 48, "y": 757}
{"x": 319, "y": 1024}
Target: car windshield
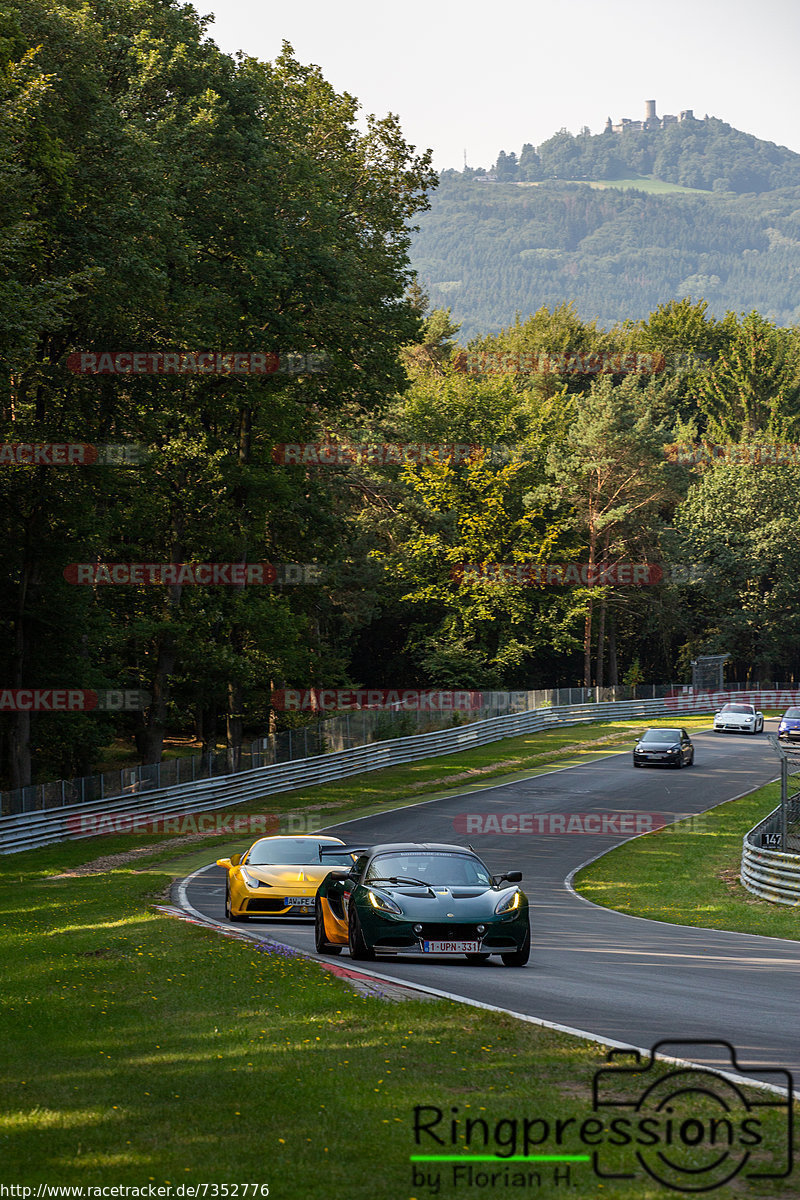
{"x": 662, "y": 735}
{"x": 286, "y": 852}
{"x": 793, "y": 714}
{"x": 338, "y": 858}
{"x": 745, "y": 710}
{"x": 431, "y": 867}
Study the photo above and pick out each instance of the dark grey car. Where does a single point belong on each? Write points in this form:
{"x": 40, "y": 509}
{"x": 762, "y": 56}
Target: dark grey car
{"x": 664, "y": 748}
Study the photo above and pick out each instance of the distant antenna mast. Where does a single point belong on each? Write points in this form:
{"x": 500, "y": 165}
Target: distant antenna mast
{"x": 465, "y": 158}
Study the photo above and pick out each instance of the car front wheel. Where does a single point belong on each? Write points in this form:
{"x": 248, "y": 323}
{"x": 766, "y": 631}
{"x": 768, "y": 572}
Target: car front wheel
{"x": 229, "y": 913}
{"x": 518, "y": 958}
{"x": 355, "y": 937}
{"x": 320, "y": 939}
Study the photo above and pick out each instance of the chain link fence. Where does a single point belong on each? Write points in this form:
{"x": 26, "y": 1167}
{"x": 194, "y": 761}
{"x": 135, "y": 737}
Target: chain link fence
{"x": 336, "y": 732}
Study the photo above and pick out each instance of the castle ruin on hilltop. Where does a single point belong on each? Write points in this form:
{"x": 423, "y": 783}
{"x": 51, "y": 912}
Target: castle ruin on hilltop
{"x": 651, "y": 121}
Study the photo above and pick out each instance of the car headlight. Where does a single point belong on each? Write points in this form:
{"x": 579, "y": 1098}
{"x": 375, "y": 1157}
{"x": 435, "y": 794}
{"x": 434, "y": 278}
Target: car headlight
{"x": 383, "y": 902}
{"x": 249, "y": 879}
{"x": 508, "y": 903}
{"x": 673, "y": 750}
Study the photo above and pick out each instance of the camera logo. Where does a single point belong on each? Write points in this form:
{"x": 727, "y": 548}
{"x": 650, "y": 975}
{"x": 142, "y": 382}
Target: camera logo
{"x": 691, "y": 1129}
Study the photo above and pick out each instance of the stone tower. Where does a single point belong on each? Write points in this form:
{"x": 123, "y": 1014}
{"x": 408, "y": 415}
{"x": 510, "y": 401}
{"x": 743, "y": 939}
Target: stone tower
{"x": 650, "y": 111}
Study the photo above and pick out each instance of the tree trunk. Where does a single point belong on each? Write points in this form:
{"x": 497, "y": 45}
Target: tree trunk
{"x": 601, "y": 641}
{"x": 234, "y": 726}
{"x": 153, "y": 724}
{"x": 587, "y": 629}
{"x": 19, "y": 735}
{"x": 613, "y": 671}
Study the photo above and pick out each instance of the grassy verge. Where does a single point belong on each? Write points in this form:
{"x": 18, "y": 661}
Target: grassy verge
{"x": 142, "y": 1050}
{"x": 689, "y": 874}
{"x": 307, "y": 809}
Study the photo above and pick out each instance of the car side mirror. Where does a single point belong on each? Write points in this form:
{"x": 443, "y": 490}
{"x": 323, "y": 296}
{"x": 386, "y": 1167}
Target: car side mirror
{"x": 235, "y": 860}
{"x": 511, "y": 876}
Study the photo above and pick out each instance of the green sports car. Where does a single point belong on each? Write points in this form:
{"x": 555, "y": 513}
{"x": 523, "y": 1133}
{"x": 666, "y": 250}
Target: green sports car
{"x": 425, "y": 899}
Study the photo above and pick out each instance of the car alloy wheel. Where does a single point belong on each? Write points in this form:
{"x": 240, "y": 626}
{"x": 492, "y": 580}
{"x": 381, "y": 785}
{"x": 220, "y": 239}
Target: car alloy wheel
{"x": 229, "y": 913}
{"x": 320, "y": 940}
{"x": 355, "y": 937}
{"x": 518, "y": 958}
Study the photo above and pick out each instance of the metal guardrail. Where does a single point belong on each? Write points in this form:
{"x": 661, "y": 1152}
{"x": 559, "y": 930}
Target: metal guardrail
{"x": 26, "y": 831}
{"x": 771, "y": 874}
{"x": 771, "y": 849}
{"x": 329, "y": 733}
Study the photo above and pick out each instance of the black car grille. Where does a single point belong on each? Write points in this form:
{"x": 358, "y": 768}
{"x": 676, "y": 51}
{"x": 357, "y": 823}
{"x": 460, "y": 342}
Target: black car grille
{"x": 265, "y": 906}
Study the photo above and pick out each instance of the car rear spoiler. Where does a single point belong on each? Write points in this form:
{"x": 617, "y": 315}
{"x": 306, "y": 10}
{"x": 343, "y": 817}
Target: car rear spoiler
{"x": 325, "y": 850}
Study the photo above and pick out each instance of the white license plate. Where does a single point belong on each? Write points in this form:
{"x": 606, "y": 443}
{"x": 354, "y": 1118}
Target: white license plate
{"x": 300, "y": 901}
{"x": 451, "y": 947}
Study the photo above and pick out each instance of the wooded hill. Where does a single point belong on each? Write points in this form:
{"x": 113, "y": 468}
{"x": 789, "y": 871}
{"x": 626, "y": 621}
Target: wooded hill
{"x": 489, "y": 250}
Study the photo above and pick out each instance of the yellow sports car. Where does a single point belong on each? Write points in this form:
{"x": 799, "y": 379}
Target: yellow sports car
{"x": 279, "y": 876}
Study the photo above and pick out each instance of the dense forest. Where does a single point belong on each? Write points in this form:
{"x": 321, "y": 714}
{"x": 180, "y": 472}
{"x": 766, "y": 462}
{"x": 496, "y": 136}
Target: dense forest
{"x": 163, "y": 198}
{"x": 507, "y": 241}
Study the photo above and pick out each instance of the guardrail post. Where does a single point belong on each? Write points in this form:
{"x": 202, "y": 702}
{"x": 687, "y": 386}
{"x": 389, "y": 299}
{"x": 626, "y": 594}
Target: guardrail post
{"x": 784, "y": 799}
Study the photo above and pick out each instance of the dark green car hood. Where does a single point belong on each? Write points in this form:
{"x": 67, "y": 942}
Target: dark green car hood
{"x": 456, "y": 903}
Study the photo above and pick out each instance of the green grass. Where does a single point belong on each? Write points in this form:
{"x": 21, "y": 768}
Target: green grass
{"x": 688, "y": 873}
{"x": 317, "y": 806}
{"x": 139, "y": 1049}
{"x": 646, "y": 183}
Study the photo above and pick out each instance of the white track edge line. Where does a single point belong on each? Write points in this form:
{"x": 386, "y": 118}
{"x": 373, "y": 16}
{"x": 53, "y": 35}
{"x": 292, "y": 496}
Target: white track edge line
{"x": 585, "y": 1035}
{"x": 767, "y": 937}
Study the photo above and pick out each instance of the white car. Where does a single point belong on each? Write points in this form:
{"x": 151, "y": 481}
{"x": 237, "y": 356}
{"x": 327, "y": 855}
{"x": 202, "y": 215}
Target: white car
{"x": 738, "y": 718}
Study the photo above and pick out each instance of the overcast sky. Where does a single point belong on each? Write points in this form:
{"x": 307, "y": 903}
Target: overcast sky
{"x": 485, "y": 77}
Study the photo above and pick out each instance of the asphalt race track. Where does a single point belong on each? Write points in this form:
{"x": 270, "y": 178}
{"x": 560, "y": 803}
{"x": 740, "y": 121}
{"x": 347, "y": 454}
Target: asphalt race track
{"x": 617, "y": 977}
